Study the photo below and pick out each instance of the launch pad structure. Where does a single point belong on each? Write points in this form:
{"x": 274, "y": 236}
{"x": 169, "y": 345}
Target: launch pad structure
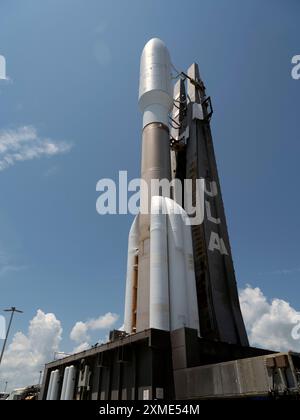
{"x": 177, "y": 365}
{"x": 184, "y": 336}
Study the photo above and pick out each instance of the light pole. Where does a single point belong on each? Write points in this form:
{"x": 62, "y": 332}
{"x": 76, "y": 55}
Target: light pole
{"x": 40, "y": 378}
{"x": 12, "y": 310}
{"x": 5, "y": 387}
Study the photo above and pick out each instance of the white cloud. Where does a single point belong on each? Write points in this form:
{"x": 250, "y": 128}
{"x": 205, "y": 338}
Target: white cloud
{"x": 80, "y": 330}
{"x": 24, "y": 144}
{"x": 11, "y": 268}
{"x": 27, "y": 353}
{"x": 103, "y": 322}
{"x": 272, "y": 325}
{"x": 82, "y": 347}
{"x": 254, "y": 304}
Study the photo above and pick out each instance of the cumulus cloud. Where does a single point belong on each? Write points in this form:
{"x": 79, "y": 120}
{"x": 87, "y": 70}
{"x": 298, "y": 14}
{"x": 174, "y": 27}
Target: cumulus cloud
{"x": 27, "y": 353}
{"x": 81, "y": 329}
{"x": 81, "y": 347}
{"x": 271, "y": 324}
{"x": 24, "y": 143}
{"x": 79, "y": 332}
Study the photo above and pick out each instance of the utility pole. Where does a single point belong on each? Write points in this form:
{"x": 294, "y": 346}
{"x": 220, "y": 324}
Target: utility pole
{"x": 13, "y": 309}
{"x": 5, "y": 387}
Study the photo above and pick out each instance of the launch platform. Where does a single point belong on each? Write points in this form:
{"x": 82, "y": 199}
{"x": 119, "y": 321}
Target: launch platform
{"x": 177, "y": 365}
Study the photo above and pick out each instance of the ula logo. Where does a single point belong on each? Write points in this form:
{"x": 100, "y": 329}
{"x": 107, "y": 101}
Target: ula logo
{"x": 197, "y": 197}
{"x": 2, "y": 68}
{"x": 296, "y": 68}
{"x": 2, "y": 328}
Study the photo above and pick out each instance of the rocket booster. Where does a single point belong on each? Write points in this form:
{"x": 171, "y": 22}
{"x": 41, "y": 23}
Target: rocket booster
{"x": 160, "y": 283}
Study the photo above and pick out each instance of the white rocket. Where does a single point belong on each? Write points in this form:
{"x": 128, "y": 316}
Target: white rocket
{"x": 160, "y": 284}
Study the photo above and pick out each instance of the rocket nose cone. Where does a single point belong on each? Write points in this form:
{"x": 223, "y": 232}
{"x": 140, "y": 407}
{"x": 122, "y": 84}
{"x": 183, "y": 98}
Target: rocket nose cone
{"x": 155, "y": 44}
{"x": 157, "y": 50}
{"x": 155, "y": 90}
{"x": 155, "y": 68}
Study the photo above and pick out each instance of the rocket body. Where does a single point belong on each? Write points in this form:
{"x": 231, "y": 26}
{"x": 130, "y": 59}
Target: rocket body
{"x": 155, "y": 102}
{"x": 159, "y": 268}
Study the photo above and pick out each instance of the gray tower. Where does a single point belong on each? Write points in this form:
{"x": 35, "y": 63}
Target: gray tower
{"x": 193, "y": 158}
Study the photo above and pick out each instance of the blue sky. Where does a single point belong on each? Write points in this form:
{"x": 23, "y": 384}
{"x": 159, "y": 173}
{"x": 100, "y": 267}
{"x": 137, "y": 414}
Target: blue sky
{"x": 74, "y": 68}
